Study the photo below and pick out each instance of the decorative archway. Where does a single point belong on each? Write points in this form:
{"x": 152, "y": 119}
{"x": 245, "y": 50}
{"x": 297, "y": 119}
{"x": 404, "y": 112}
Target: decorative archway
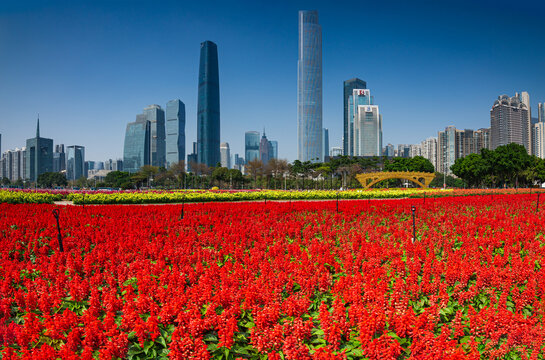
{"x": 423, "y": 179}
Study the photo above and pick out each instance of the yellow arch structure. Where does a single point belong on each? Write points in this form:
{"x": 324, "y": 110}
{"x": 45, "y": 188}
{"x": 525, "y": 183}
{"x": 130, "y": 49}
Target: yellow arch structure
{"x": 413, "y": 176}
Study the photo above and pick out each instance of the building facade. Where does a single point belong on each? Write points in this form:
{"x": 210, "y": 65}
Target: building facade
{"x": 39, "y": 155}
{"x": 59, "y": 158}
{"x": 75, "y": 162}
{"x": 348, "y": 124}
{"x": 538, "y": 132}
{"x": 208, "y": 106}
{"x": 509, "y": 123}
{"x": 309, "y": 88}
{"x": 251, "y": 146}
{"x": 225, "y": 155}
{"x": 136, "y": 149}
{"x": 541, "y": 112}
{"x": 175, "y": 132}
{"x": 274, "y": 147}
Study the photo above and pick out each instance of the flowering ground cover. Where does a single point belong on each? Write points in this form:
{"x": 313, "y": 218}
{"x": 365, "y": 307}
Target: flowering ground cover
{"x": 278, "y": 280}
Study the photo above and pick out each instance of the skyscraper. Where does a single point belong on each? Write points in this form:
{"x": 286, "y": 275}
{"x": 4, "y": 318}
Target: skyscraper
{"x": 367, "y": 124}
{"x": 225, "y": 155}
{"x": 136, "y": 150}
{"x": 265, "y": 149}
{"x": 274, "y": 146}
{"x": 251, "y": 146}
{"x": 39, "y": 155}
{"x": 348, "y": 125}
{"x": 175, "y": 132}
{"x": 156, "y": 116}
{"x": 208, "y": 106}
{"x": 75, "y": 162}
{"x": 509, "y": 122}
{"x": 59, "y": 158}
{"x": 541, "y": 112}
{"x": 325, "y": 143}
{"x": 309, "y": 88}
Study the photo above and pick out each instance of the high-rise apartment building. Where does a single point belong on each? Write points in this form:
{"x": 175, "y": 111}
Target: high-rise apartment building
{"x": 538, "y": 137}
{"x": 415, "y": 150}
{"x": 367, "y": 123}
{"x": 509, "y": 123}
{"x": 156, "y": 117}
{"x": 39, "y": 155}
{"x": 208, "y": 106}
{"x": 336, "y": 151}
{"x": 136, "y": 150}
{"x": 453, "y": 144}
{"x": 175, "y": 132}
{"x": 251, "y": 145}
{"x": 541, "y": 112}
{"x": 13, "y": 164}
{"x": 429, "y": 150}
{"x": 348, "y": 124}
{"x": 75, "y": 162}
{"x": 225, "y": 155}
{"x": 309, "y": 88}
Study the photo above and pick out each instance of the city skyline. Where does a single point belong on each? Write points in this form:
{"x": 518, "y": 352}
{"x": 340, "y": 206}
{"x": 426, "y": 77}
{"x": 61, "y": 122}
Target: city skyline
{"x": 453, "y": 61}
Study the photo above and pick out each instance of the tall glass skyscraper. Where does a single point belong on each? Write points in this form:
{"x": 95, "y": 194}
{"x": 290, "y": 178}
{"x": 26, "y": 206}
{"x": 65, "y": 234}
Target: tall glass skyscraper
{"x": 75, "y": 162}
{"x": 309, "y": 88}
{"x": 175, "y": 132}
{"x": 136, "y": 151}
{"x": 208, "y": 106}
{"x": 251, "y": 146}
{"x": 156, "y": 116}
{"x": 367, "y": 123}
{"x": 348, "y": 88}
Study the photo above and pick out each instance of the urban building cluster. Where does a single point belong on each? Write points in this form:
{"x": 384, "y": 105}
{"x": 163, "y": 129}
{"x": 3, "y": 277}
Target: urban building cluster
{"x": 39, "y": 156}
{"x": 157, "y": 136}
{"x": 510, "y": 122}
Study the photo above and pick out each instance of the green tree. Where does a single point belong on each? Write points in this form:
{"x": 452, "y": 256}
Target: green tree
{"x": 51, "y": 179}
{"x": 472, "y": 169}
{"x": 117, "y": 179}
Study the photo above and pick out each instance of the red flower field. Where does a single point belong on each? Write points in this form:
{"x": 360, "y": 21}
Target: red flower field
{"x": 278, "y": 280}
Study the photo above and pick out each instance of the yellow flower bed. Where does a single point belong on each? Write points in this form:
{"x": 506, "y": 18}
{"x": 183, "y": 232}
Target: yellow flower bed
{"x": 28, "y": 197}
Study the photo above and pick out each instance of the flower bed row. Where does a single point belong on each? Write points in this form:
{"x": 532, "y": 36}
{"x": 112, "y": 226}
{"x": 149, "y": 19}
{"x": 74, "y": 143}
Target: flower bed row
{"x": 280, "y": 280}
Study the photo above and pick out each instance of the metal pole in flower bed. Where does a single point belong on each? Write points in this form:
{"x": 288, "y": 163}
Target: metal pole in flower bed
{"x": 337, "y": 202}
{"x": 59, "y": 236}
{"x": 182, "y": 214}
{"x": 83, "y": 200}
{"x": 537, "y": 204}
{"x": 413, "y": 209}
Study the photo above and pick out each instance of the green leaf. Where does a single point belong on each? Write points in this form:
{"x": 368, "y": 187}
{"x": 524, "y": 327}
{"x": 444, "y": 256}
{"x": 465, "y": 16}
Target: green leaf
{"x": 161, "y": 340}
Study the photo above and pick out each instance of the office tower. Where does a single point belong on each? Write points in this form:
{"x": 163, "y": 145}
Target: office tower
{"x": 156, "y": 117}
{"x": 136, "y": 150}
{"x": 251, "y": 146}
{"x": 429, "y": 150}
{"x": 39, "y": 155}
{"x": 325, "y": 143}
{"x": 274, "y": 146}
{"x": 59, "y": 158}
{"x": 309, "y": 88}
{"x": 208, "y": 106}
{"x": 527, "y": 132}
{"x": 265, "y": 149}
{"x": 175, "y": 132}
{"x": 403, "y": 150}
{"x": 367, "y": 134}
{"x": 541, "y": 112}
{"x": 348, "y": 125}
{"x": 75, "y": 162}
{"x": 192, "y": 159}
{"x": 225, "y": 155}
{"x": 509, "y": 122}
{"x": 336, "y": 151}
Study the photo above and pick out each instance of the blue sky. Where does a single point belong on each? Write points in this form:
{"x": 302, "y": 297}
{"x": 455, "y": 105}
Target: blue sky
{"x": 88, "y": 67}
